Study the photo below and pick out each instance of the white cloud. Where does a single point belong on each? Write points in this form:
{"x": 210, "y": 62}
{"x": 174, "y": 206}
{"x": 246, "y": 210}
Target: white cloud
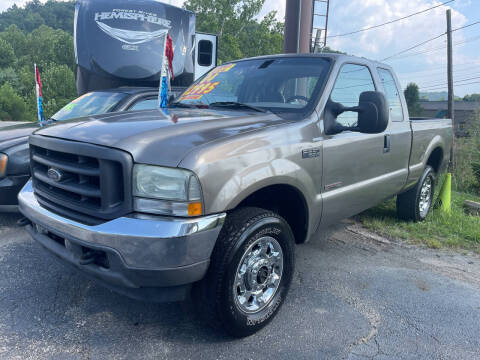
{"x": 387, "y": 40}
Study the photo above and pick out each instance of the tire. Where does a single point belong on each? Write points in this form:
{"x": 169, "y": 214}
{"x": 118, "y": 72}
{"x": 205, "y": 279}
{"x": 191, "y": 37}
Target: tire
{"x": 416, "y": 203}
{"x": 223, "y": 295}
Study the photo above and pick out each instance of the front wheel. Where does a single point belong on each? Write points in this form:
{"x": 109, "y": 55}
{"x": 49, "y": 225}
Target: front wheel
{"x": 415, "y": 204}
{"x": 250, "y": 271}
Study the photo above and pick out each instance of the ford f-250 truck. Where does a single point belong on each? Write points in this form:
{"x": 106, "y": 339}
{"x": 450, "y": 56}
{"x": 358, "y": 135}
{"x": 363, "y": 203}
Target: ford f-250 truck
{"x": 212, "y": 194}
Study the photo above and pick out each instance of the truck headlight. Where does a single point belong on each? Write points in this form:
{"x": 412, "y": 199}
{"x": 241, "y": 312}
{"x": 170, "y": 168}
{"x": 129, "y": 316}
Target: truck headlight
{"x": 166, "y": 191}
{"x": 3, "y": 165}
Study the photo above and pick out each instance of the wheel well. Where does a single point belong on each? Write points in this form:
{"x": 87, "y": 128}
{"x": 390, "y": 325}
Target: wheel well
{"x": 435, "y": 159}
{"x": 286, "y": 201}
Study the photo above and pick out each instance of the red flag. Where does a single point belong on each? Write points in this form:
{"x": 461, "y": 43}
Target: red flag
{"x": 39, "y": 81}
{"x": 169, "y": 54}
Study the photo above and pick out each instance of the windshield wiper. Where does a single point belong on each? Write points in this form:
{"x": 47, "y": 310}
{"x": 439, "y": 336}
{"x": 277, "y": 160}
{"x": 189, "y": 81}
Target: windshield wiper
{"x": 178, "y": 104}
{"x": 182, "y": 105}
{"x": 235, "y": 105}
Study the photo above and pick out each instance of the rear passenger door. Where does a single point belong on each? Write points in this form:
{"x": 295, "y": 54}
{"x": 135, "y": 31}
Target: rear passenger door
{"x": 354, "y": 176}
{"x": 398, "y": 132}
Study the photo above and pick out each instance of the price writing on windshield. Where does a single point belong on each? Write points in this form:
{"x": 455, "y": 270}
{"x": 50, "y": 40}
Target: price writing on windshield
{"x": 207, "y": 85}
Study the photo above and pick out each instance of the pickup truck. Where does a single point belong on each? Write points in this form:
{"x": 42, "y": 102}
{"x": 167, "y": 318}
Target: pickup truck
{"x": 14, "y": 153}
{"x": 209, "y": 197}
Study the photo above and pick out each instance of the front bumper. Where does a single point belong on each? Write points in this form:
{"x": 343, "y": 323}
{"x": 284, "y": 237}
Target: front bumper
{"x": 9, "y": 188}
{"x": 135, "y": 255}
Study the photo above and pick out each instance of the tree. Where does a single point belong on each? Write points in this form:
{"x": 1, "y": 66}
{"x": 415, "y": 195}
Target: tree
{"x": 12, "y": 106}
{"x": 7, "y": 55}
{"x": 412, "y": 96}
{"x": 16, "y": 38}
{"x": 472, "y": 98}
{"x": 239, "y": 32}
{"x": 8, "y": 75}
{"x": 55, "y": 14}
{"x": 58, "y": 87}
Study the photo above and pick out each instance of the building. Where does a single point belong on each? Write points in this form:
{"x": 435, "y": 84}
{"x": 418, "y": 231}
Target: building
{"x": 465, "y": 113}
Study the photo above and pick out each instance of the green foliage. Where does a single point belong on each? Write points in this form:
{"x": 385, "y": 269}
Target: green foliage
{"x": 239, "y": 33}
{"x": 467, "y": 159}
{"x": 36, "y": 34}
{"x": 55, "y": 14}
{"x": 12, "y": 106}
{"x": 412, "y": 96}
{"x": 472, "y": 97}
{"x": 457, "y": 229}
{"x": 59, "y": 88}
{"x": 7, "y": 56}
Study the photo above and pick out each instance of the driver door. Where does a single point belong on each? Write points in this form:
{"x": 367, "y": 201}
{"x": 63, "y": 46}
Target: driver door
{"x": 353, "y": 163}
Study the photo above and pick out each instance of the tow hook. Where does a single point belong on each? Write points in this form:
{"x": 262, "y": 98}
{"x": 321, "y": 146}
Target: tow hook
{"x": 90, "y": 257}
{"x": 23, "y": 222}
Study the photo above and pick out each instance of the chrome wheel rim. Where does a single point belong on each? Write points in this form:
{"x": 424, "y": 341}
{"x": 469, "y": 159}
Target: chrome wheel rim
{"x": 258, "y": 275}
{"x": 425, "y": 197}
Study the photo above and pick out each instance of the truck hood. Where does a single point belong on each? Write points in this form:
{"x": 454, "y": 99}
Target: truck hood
{"x": 15, "y": 134}
{"x": 16, "y": 131}
{"x": 160, "y": 137}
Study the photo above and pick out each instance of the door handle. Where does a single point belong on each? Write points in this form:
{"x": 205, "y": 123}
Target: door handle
{"x": 386, "y": 144}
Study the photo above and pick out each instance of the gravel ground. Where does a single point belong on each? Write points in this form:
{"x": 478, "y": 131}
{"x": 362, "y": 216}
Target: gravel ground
{"x": 355, "y": 296}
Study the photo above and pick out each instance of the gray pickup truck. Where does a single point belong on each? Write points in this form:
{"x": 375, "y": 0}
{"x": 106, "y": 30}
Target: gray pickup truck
{"x": 210, "y": 196}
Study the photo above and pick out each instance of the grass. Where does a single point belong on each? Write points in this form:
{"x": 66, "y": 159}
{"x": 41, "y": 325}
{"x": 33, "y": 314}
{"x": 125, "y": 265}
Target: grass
{"x": 455, "y": 230}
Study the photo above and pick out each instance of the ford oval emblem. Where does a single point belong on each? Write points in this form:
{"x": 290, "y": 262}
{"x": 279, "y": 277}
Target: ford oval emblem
{"x": 55, "y": 174}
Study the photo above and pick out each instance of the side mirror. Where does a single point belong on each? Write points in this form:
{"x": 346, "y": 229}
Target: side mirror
{"x": 373, "y": 114}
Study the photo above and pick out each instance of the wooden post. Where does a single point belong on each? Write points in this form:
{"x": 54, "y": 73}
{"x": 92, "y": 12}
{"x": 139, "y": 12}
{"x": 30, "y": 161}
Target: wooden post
{"x": 451, "y": 97}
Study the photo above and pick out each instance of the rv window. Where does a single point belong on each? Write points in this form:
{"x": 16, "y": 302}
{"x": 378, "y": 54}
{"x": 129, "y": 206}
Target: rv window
{"x": 205, "y": 50}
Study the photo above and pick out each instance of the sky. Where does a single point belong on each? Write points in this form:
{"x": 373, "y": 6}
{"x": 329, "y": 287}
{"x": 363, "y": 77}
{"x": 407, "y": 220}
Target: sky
{"x": 425, "y": 65}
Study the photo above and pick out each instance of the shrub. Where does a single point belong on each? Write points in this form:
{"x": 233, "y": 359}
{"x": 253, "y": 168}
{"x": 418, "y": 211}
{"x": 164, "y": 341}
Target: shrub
{"x": 12, "y": 106}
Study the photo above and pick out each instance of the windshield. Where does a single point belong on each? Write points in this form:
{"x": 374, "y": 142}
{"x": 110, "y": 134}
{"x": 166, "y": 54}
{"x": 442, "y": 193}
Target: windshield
{"x": 289, "y": 84}
{"x": 93, "y": 103}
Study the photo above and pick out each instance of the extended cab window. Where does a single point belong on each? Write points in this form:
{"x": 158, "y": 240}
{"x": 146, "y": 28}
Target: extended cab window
{"x": 352, "y": 80}
{"x": 392, "y": 94}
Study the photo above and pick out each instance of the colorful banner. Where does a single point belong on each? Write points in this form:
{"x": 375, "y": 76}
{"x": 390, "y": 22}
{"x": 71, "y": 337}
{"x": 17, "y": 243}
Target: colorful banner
{"x": 167, "y": 73}
{"x": 38, "y": 90}
{"x": 207, "y": 85}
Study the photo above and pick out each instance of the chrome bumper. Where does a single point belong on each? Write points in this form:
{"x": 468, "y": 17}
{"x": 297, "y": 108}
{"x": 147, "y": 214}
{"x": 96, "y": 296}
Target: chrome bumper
{"x": 151, "y": 243}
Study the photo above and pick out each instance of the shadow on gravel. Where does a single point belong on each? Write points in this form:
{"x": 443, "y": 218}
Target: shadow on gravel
{"x": 9, "y": 219}
{"x": 41, "y": 297}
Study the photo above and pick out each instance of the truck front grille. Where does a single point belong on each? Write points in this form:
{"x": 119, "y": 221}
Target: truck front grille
{"x": 83, "y": 182}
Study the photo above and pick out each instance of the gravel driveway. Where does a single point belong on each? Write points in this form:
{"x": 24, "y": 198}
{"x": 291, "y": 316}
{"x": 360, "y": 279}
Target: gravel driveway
{"x": 354, "y": 296}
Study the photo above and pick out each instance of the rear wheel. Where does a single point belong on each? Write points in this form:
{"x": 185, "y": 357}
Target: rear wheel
{"x": 250, "y": 271}
{"x": 415, "y": 204}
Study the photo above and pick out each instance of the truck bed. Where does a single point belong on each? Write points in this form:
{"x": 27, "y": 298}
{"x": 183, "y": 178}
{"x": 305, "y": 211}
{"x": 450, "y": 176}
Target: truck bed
{"x": 427, "y": 131}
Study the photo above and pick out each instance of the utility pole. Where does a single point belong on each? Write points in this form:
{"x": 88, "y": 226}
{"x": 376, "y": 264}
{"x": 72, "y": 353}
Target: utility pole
{"x": 451, "y": 97}
{"x": 298, "y": 26}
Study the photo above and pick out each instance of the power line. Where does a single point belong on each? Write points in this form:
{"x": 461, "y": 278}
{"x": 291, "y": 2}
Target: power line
{"x": 455, "y": 82}
{"x": 437, "y": 48}
{"x": 390, "y": 22}
{"x": 442, "y": 66}
{"x": 404, "y": 77}
{"x": 445, "y": 86}
{"x": 427, "y": 41}
{"x": 414, "y": 46}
